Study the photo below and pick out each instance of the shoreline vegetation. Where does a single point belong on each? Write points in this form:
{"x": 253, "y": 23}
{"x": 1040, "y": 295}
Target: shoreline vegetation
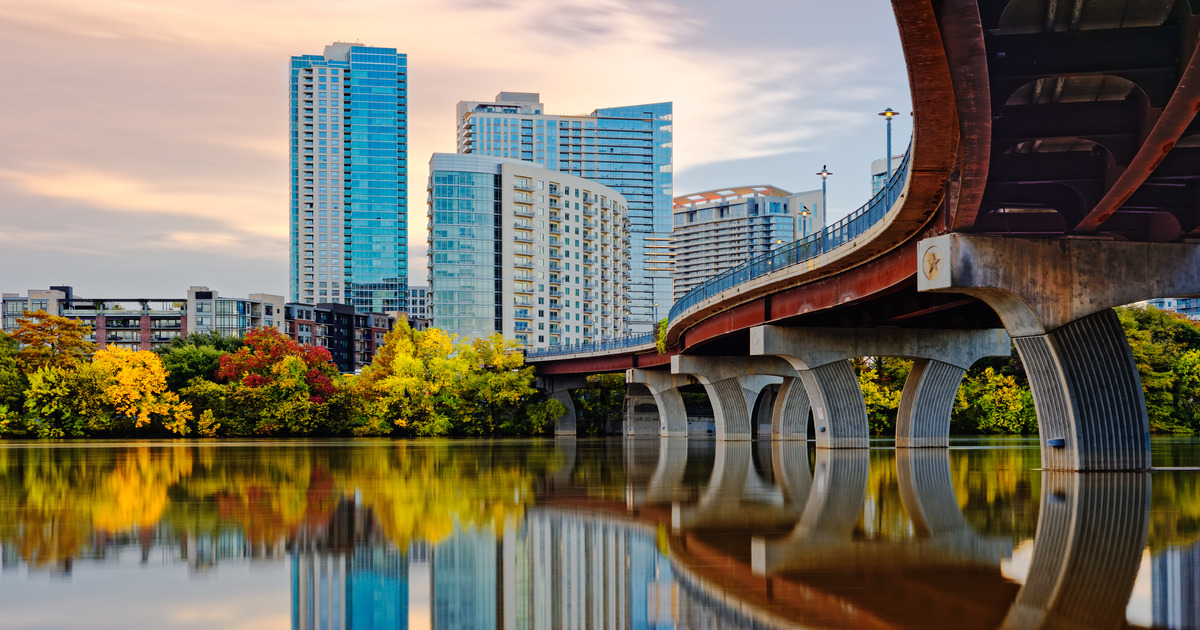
{"x": 54, "y": 384}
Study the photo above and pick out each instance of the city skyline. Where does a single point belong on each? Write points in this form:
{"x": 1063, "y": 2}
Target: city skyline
{"x": 155, "y": 173}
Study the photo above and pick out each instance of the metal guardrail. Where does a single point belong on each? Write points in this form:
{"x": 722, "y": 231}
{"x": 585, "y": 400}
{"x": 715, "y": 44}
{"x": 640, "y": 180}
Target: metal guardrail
{"x": 845, "y": 230}
{"x": 620, "y": 343}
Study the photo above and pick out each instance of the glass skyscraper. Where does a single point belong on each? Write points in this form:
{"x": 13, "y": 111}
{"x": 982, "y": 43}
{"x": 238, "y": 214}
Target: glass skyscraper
{"x": 349, "y": 178}
{"x": 627, "y": 149}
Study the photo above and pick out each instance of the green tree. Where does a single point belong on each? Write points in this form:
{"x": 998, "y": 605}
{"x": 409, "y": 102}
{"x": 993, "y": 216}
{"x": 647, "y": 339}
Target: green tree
{"x": 195, "y": 356}
{"x": 988, "y": 402}
{"x": 601, "y": 401}
{"x": 12, "y": 380}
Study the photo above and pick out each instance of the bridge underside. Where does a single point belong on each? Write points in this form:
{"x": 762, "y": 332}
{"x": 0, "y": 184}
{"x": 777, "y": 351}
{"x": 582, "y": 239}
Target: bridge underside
{"x": 1069, "y": 129}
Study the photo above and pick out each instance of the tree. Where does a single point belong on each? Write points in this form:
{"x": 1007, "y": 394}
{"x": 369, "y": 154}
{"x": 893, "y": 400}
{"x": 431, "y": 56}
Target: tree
{"x": 195, "y": 356}
{"x": 261, "y": 360}
{"x": 137, "y": 389}
{"x": 12, "y": 381}
{"x": 51, "y": 341}
{"x": 601, "y": 402}
{"x": 989, "y": 402}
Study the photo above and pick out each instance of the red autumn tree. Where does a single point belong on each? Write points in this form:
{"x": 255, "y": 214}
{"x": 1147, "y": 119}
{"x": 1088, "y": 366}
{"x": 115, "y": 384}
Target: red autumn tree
{"x": 261, "y": 362}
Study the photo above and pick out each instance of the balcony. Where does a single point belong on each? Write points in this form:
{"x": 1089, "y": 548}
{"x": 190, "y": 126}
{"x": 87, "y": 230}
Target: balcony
{"x": 523, "y": 211}
{"x": 523, "y": 237}
{"x": 523, "y": 225}
{"x": 521, "y": 276}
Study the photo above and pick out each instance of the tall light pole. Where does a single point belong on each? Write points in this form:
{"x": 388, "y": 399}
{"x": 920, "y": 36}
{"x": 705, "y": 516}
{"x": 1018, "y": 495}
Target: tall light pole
{"x": 887, "y": 115}
{"x": 824, "y": 173}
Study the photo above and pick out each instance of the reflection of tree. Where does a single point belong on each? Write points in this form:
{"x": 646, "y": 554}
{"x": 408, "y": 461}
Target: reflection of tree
{"x": 56, "y": 501}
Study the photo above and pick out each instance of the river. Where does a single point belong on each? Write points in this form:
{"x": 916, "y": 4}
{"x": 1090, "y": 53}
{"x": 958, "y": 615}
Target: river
{"x": 615, "y": 533}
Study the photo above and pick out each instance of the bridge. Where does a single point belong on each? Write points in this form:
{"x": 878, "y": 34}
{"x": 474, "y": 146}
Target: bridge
{"x": 1053, "y": 174}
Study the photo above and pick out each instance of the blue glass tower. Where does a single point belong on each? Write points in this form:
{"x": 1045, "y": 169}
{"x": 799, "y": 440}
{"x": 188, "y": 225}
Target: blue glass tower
{"x": 349, "y": 178}
{"x": 626, "y": 148}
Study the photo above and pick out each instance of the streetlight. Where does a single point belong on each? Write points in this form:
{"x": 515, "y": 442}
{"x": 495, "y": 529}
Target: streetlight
{"x": 887, "y": 115}
{"x": 824, "y": 173}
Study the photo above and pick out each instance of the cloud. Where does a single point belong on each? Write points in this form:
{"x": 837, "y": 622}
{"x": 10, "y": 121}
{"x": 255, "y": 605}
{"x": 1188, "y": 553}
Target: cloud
{"x": 154, "y": 109}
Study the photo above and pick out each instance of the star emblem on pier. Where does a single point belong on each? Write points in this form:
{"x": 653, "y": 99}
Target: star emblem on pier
{"x": 931, "y": 266}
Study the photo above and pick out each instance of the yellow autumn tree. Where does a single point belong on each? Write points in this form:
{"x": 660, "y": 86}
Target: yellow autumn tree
{"x": 137, "y": 388}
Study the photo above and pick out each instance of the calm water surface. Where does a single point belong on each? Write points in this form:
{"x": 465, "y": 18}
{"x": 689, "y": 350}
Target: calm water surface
{"x": 590, "y": 534}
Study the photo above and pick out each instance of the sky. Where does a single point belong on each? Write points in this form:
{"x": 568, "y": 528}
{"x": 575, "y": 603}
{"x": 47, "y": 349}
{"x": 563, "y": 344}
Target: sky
{"x": 144, "y": 144}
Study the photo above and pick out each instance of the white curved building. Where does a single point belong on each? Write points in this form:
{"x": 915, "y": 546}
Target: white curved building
{"x": 537, "y": 255}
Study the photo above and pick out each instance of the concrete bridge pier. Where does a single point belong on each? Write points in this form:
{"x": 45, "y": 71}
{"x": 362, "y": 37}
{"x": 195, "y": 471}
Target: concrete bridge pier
{"x": 1055, "y": 298}
{"x": 821, "y": 358}
{"x": 733, "y": 385}
{"x": 664, "y": 387}
{"x": 559, "y": 388}
{"x": 789, "y": 415}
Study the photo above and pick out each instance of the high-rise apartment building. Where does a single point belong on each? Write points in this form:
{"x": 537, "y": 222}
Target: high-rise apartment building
{"x": 627, "y": 149}
{"x": 879, "y": 171}
{"x": 349, "y": 178}
{"x": 717, "y": 230}
{"x": 536, "y": 255}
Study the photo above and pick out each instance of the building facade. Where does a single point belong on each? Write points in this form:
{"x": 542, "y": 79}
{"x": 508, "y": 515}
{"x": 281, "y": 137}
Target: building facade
{"x": 351, "y": 337}
{"x": 349, "y": 178}
{"x": 1184, "y": 306}
{"x": 628, "y": 149}
{"x": 538, "y": 256}
{"x": 879, "y": 172}
{"x": 145, "y": 323}
{"x": 716, "y": 230}
{"x": 418, "y": 308}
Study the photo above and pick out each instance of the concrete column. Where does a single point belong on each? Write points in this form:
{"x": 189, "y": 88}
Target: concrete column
{"x": 1056, "y": 297}
{"x": 839, "y": 410}
{"x": 1091, "y": 534}
{"x": 1088, "y": 393}
{"x": 559, "y": 388}
{"x": 635, "y": 422}
{"x": 789, "y": 418}
{"x": 923, "y": 418}
{"x": 733, "y": 385}
{"x": 821, "y": 357}
{"x": 664, "y": 387}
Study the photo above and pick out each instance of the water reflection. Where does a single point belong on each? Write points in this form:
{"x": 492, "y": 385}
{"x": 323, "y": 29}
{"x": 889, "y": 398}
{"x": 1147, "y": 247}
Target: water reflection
{"x": 615, "y": 534}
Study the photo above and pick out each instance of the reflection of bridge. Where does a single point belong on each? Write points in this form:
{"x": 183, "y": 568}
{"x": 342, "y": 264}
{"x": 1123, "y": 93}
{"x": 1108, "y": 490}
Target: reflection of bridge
{"x": 1052, "y": 175}
{"x": 1091, "y": 533}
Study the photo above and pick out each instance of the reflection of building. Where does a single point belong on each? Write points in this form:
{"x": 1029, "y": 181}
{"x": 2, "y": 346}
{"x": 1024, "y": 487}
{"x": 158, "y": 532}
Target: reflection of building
{"x": 1175, "y": 579}
{"x": 538, "y": 256}
{"x": 363, "y": 589}
{"x": 626, "y": 148}
{"x": 717, "y": 230}
{"x": 464, "y": 580}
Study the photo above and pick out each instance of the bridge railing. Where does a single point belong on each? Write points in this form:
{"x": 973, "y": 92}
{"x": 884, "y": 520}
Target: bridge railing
{"x": 619, "y": 343}
{"x": 843, "y": 231}
{"x": 800, "y": 251}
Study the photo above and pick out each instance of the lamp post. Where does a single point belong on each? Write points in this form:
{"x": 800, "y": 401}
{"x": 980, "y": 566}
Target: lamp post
{"x": 887, "y": 115}
{"x": 824, "y": 173}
